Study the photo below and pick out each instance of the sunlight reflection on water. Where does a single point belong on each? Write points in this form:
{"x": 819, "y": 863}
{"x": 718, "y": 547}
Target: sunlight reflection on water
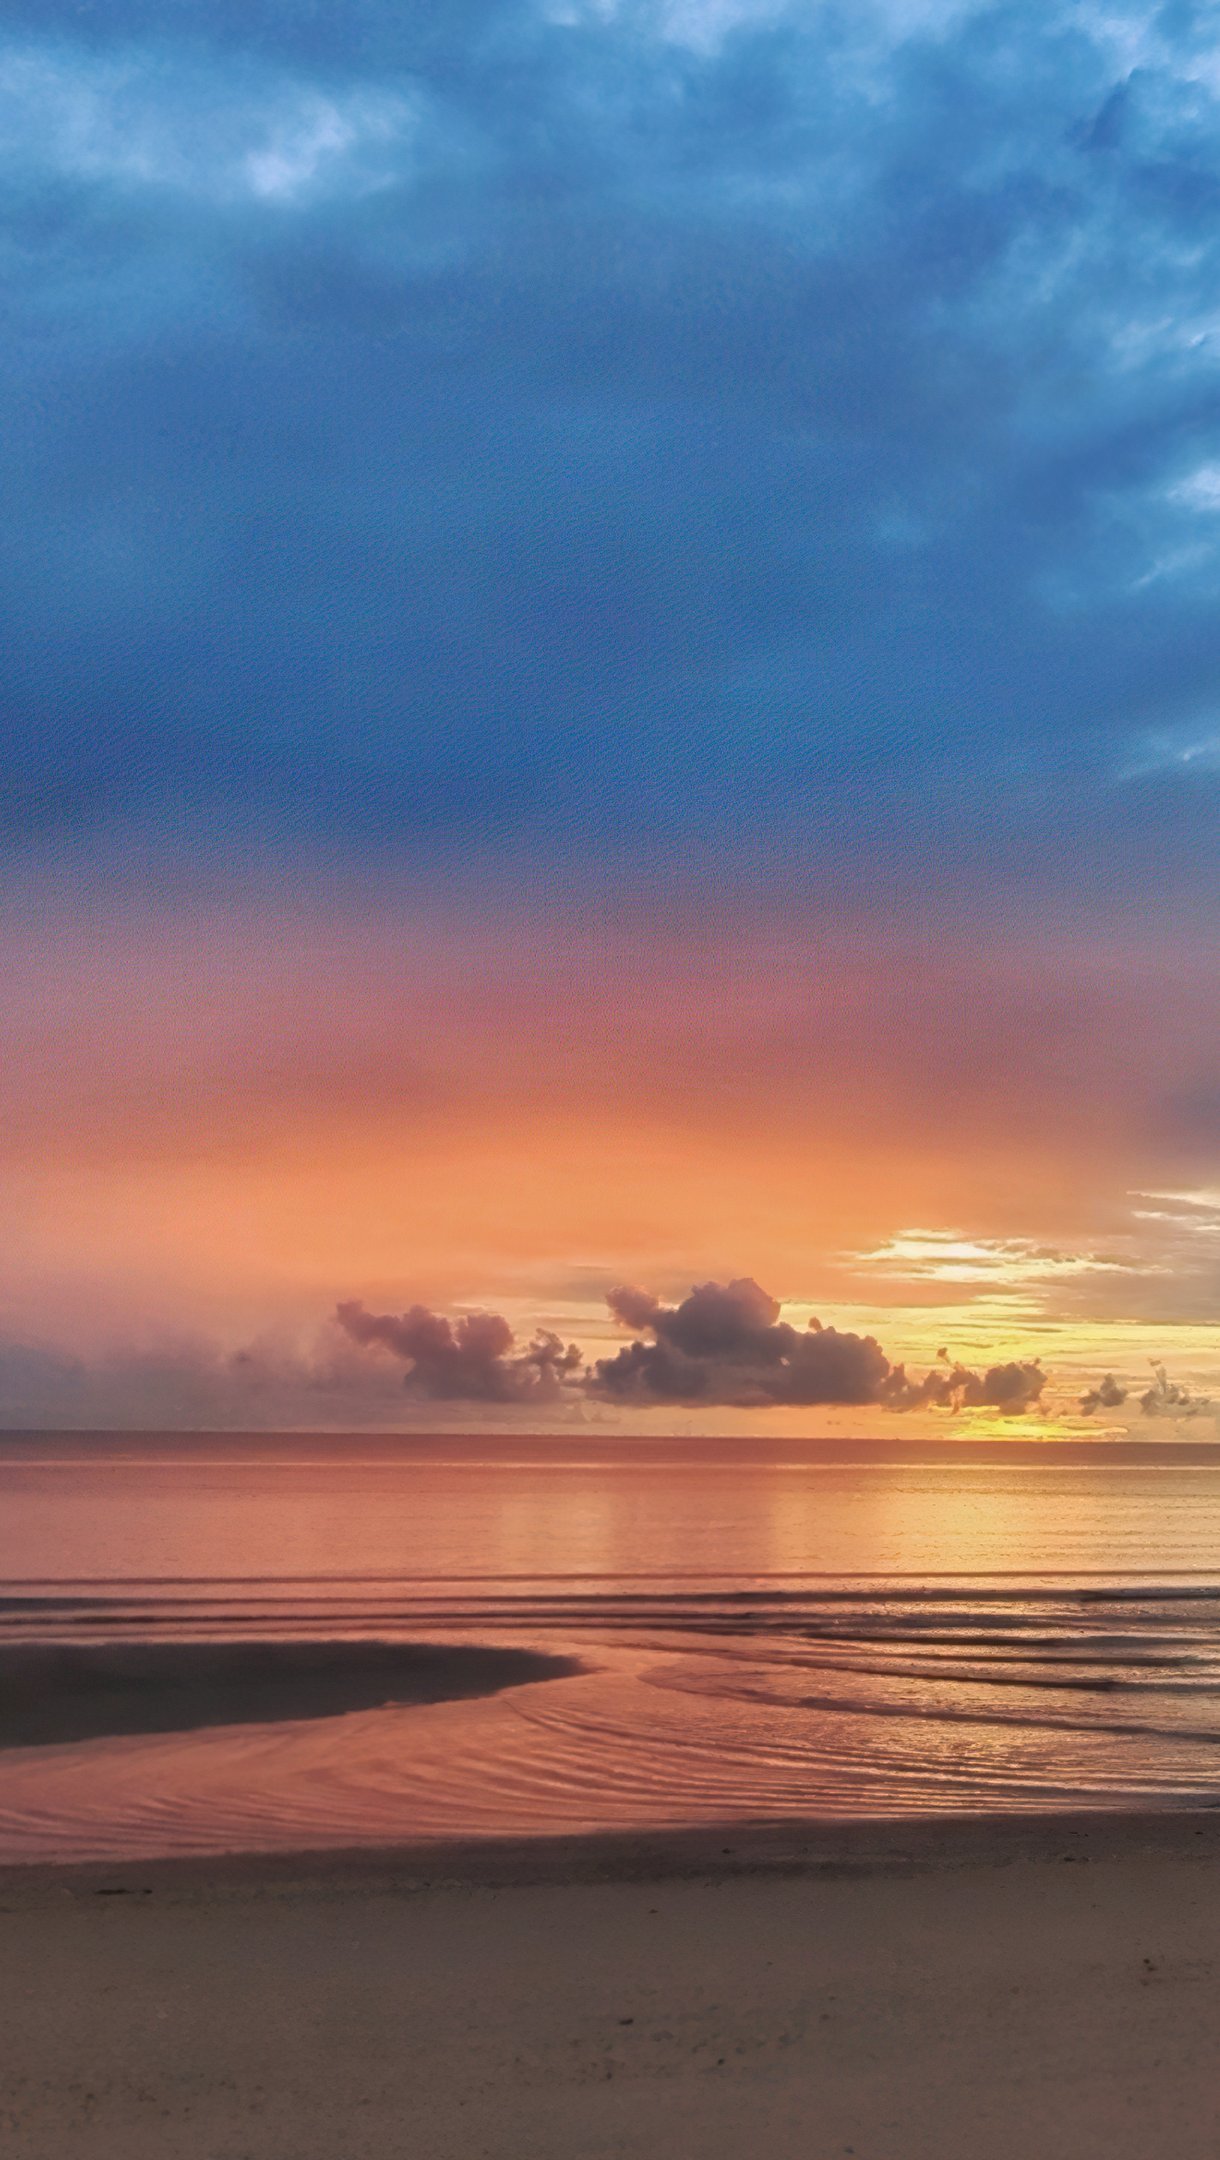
{"x": 763, "y": 1634}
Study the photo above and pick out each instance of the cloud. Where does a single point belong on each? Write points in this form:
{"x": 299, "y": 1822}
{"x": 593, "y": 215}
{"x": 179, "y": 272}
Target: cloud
{"x": 1170, "y": 1398}
{"x": 473, "y": 1359}
{"x": 190, "y": 1384}
{"x": 1108, "y": 1394}
{"x": 704, "y": 27}
{"x": 147, "y": 119}
{"x": 726, "y": 1344}
{"x": 326, "y": 1381}
{"x": 720, "y": 419}
{"x": 949, "y": 1256}
{"x": 1010, "y": 1388}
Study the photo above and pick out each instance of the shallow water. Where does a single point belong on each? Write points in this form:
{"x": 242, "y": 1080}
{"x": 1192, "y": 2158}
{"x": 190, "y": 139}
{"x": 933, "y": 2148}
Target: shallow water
{"x": 766, "y": 1629}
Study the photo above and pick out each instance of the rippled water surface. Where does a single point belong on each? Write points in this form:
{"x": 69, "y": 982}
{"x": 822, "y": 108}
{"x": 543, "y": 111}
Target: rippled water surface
{"x": 764, "y": 1630}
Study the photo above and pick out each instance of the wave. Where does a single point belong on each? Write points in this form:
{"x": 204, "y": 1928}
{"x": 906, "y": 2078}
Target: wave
{"x": 211, "y": 1707}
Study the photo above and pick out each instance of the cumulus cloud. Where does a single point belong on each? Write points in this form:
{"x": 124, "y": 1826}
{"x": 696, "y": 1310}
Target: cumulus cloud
{"x": 1010, "y": 1388}
{"x": 726, "y": 1344}
{"x": 1109, "y": 1394}
{"x": 472, "y": 1359}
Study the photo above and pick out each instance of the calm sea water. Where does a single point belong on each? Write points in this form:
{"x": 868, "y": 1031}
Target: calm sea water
{"x": 766, "y": 1629}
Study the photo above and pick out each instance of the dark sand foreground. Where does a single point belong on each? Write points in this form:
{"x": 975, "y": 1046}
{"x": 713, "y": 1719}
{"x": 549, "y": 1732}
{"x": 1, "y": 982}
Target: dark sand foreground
{"x": 1023, "y": 1991}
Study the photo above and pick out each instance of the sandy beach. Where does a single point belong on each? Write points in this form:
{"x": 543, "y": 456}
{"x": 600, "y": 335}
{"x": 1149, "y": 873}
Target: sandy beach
{"x": 929, "y": 1992}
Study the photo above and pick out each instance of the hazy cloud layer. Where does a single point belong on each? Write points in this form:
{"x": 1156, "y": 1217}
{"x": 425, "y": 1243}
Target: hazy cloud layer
{"x": 191, "y": 1384}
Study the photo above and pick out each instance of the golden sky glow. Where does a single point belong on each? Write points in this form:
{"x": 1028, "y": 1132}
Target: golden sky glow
{"x": 221, "y": 1130}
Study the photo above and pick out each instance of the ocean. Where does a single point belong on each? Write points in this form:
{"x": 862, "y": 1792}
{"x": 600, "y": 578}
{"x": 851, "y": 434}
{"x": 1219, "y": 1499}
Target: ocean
{"x": 752, "y": 1631}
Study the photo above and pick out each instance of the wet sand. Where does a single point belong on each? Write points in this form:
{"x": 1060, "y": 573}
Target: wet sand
{"x": 51, "y": 1693}
{"x": 939, "y": 1991}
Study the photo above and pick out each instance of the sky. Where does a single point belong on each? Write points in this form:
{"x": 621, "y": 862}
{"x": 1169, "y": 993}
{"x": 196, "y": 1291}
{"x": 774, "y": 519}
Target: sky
{"x": 610, "y": 685}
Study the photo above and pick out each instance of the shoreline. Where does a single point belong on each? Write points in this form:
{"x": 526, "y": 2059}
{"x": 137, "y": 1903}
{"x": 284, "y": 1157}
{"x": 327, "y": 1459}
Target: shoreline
{"x": 813, "y": 1849}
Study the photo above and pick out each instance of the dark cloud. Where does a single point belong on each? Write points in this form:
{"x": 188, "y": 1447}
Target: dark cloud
{"x": 1010, "y": 1388}
{"x": 772, "y": 427}
{"x": 1109, "y": 1394}
{"x": 473, "y": 1359}
{"x": 727, "y": 1344}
